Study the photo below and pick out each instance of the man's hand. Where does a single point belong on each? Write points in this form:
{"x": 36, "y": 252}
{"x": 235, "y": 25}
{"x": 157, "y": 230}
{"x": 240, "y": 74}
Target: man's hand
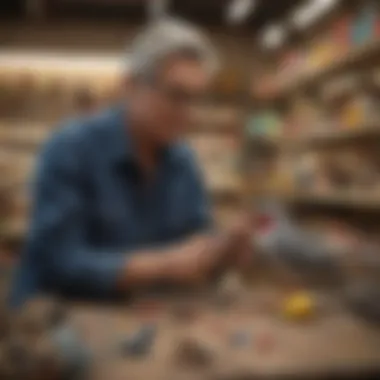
{"x": 239, "y": 241}
{"x": 191, "y": 262}
{"x": 201, "y": 257}
{"x": 187, "y": 263}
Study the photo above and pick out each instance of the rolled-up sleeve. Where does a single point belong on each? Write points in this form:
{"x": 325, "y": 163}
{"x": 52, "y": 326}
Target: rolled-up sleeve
{"x": 57, "y": 239}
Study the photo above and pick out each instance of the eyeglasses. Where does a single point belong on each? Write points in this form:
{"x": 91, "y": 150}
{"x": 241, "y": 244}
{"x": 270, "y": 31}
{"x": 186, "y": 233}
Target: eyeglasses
{"x": 178, "y": 96}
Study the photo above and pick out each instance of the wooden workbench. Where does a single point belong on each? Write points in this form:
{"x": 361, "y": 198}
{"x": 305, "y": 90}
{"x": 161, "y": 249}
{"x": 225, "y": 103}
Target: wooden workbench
{"x": 333, "y": 343}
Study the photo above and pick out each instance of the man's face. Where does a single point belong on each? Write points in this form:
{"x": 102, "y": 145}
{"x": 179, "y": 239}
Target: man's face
{"x": 163, "y": 105}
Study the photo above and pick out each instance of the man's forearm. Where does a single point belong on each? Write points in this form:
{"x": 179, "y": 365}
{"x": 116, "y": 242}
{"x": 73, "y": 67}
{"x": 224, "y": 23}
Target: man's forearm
{"x": 143, "y": 268}
{"x": 177, "y": 264}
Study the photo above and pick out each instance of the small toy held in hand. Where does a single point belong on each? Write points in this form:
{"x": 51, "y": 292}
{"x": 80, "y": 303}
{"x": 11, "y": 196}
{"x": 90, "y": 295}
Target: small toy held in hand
{"x": 194, "y": 353}
{"x": 280, "y": 240}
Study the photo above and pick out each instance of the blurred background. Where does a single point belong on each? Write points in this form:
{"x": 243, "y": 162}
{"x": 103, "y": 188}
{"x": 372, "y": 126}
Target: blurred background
{"x": 292, "y": 115}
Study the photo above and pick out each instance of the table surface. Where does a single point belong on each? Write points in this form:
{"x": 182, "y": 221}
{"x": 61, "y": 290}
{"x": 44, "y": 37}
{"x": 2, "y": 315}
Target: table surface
{"x": 334, "y": 342}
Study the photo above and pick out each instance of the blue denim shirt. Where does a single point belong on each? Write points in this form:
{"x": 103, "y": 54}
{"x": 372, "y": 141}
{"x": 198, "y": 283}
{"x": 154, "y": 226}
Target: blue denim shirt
{"x": 92, "y": 210}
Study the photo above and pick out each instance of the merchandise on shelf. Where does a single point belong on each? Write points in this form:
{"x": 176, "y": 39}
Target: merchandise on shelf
{"x": 322, "y": 53}
{"x": 290, "y": 66}
{"x": 347, "y": 33}
{"x": 264, "y": 87}
{"x": 31, "y": 91}
{"x": 212, "y": 117}
{"x": 307, "y": 117}
{"x": 341, "y": 35}
{"x": 306, "y": 173}
{"x": 366, "y": 24}
{"x": 358, "y": 110}
{"x": 347, "y": 171}
{"x": 228, "y": 81}
{"x": 215, "y": 150}
{"x": 265, "y": 123}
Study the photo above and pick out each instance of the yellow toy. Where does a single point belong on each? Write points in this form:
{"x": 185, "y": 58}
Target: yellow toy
{"x": 299, "y": 306}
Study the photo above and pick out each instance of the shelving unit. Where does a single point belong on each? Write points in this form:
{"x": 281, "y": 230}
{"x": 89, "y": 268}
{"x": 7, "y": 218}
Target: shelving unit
{"x": 330, "y": 139}
{"x": 28, "y": 137}
{"x": 359, "y": 57}
{"x": 356, "y": 200}
{"x": 319, "y": 125}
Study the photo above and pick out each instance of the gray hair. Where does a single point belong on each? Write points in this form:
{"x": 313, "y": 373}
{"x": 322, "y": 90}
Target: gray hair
{"x": 167, "y": 38}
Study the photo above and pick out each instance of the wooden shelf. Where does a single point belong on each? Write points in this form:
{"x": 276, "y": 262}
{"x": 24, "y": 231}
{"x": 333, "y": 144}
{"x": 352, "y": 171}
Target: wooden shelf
{"x": 14, "y": 230}
{"x": 26, "y": 136}
{"x": 216, "y": 119}
{"x": 323, "y": 139}
{"x": 225, "y": 192}
{"x": 357, "y": 57}
{"x": 17, "y": 166}
{"x": 265, "y": 143}
{"x": 341, "y": 136}
{"x": 354, "y": 200}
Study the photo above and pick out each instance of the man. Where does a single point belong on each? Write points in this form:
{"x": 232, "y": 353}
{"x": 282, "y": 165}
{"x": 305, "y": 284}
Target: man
{"x": 119, "y": 202}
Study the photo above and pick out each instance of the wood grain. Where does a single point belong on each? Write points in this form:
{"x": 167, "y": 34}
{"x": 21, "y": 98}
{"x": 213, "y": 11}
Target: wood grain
{"x": 334, "y": 343}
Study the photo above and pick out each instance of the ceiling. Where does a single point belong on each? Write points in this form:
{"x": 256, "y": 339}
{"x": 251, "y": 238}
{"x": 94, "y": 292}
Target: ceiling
{"x": 214, "y": 11}
{"x": 207, "y": 12}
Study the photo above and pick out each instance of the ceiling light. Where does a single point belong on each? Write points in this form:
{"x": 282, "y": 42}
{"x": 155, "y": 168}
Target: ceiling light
{"x": 311, "y": 12}
{"x": 239, "y": 10}
{"x": 273, "y": 36}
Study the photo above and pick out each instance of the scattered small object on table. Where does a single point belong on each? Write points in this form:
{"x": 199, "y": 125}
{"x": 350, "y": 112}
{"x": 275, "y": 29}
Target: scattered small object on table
{"x": 299, "y": 306}
{"x": 39, "y": 315}
{"x": 47, "y": 360}
{"x": 73, "y": 354}
{"x": 41, "y": 344}
{"x": 265, "y": 343}
{"x": 241, "y": 338}
{"x": 194, "y": 353}
{"x": 140, "y": 343}
{"x": 229, "y": 290}
{"x": 16, "y": 360}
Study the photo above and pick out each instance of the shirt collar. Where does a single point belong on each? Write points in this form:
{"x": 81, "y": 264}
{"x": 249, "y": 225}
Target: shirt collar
{"x": 121, "y": 144}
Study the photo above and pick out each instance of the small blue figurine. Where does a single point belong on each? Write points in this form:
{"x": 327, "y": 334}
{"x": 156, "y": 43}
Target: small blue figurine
{"x": 76, "y": 356}
{"x": 140, "y": 343}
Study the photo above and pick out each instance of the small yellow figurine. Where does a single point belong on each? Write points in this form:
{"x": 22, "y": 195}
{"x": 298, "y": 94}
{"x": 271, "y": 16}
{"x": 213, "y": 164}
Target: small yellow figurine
{"x": 299, "y": 306}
